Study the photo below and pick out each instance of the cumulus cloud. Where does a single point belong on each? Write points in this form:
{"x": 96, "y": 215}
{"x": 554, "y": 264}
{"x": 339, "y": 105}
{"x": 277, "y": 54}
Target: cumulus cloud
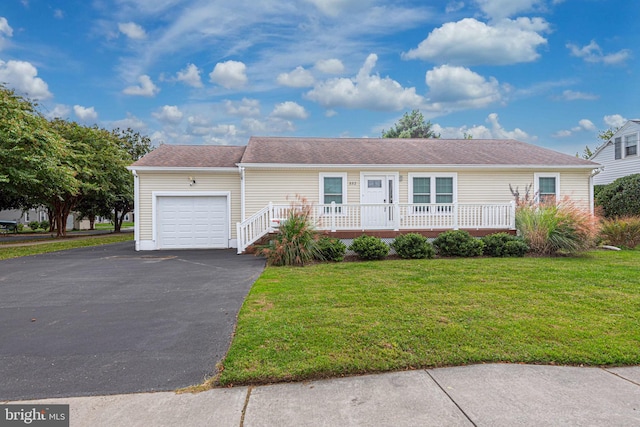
{"x": 454, "y": 6}
{"x": 190, "y": 76}
{"x": 146, "y": 87}
{"x": 583, "y": 125}
{"x": 130, "y": 121}
{"x": 497, "y": 9}
{"x": 229, "y": 74}
{"x": 60, "y": 111}
{"x": 289, "y": 110}
{"x": 365, "y": 90}
{"x": 593, "y": 53}
{"x": 22, "y": 76}
{"x": 494, "y": 130}
{"x": 455, "y": 88}
{"x": 5, "y": 31}
{"x": 570, "y": 95}
{"x": 471, "y": 42}
{"x": 85, "y": 114}
{"x": 614, "y": 120}
{"x": 330, "y": 66}
{"x": 296, "y": 78}
{"x": 132, "y": 30}
{"x": 169, "y": 114}
{"x": 271, "y": 126}
{"x": 244, "y": 108}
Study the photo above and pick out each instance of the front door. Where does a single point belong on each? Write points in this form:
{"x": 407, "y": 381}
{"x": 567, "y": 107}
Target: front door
{"x": 377, "y": 195}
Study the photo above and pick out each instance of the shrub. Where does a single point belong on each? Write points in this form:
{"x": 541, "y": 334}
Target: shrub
{"x": 369, "y": 247}
{"x": 44, "y": 225}
{"x": 504, "y": 245}
{"x": 556, "y": 229}
{"x": 20, "y": 227}
{"x": 296, "y": 241}
{"x": 621, "y": 232}
{"x": 458, "y": 243}
{"x": 621, "y": 198}
{"x": 331, "y": 249}
{"x": 34, "y": 225}
{"x": 413, "y": 246}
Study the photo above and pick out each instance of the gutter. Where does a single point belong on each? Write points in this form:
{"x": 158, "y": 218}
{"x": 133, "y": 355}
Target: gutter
{"x": 136, "y": 208}
{"x": 591, "y": 191}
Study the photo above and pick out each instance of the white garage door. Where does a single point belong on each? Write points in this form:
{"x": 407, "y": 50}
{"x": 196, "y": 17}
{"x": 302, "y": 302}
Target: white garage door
{"x": 186, "y": 222}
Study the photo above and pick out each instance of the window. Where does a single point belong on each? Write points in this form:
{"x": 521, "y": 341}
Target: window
{"x": 618, "y": 148}
{"x": 631, "y": 145}
{"x": 422, "y": 187}
{"x": 546, "y": 187}
{"x": 333, "y": 189}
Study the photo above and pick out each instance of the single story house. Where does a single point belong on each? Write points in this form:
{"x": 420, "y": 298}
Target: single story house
{"x": 620, "y": 155}
{"x": 230, "y": 196}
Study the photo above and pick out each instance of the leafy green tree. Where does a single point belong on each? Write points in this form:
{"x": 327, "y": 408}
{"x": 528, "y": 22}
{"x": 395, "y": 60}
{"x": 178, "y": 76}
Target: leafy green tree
{"x": 604, "y": 136}
{"x": 411, "y": 125}
{"x": 620, "y": 198}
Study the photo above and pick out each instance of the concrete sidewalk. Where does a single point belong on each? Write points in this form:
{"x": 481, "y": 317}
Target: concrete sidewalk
{"x": 480, "y": 395}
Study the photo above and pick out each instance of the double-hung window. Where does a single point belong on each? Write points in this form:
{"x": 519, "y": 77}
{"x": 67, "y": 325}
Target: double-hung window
{"x": 631, "y": 145}
{"x": 333, "y": 189}
{"x": 547, "y": 187}
{"x": 618, "y": 148}
{"x": 432, "y": 188}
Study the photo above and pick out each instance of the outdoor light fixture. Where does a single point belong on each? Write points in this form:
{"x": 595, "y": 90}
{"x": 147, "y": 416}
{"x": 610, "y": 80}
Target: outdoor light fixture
{"x": 192, "y": 181}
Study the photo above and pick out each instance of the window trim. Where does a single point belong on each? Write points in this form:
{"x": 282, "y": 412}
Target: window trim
{"x": 321, "y": 194}
{"x": 433, "y": 195}
{"x": 536, "y": 184}
{"x": 626, "y": 147}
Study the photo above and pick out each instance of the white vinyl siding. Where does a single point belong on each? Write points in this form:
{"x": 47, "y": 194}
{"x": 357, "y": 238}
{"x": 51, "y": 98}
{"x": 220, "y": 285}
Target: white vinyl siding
{"x": 613, "y": 155}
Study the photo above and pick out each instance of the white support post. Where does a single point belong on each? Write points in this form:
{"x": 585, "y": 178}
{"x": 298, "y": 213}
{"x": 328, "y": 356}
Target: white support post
{"x": 455, "y": 215}
{"x": 333, "y": 216}
{"x": 512, "y": 218}
{"x": 396, "y": 217}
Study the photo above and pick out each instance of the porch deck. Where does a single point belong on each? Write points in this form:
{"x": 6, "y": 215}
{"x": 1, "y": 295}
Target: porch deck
{"x": 383, "y": 220}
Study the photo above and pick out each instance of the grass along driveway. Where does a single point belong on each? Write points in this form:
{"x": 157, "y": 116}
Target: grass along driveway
{"x": 34, "y": 247}
{"x": 350, "y": 318}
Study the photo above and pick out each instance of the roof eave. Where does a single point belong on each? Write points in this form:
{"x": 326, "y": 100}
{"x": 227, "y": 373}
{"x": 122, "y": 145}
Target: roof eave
{"x": 181, "y": 169}
{"x": 408, "y": 166}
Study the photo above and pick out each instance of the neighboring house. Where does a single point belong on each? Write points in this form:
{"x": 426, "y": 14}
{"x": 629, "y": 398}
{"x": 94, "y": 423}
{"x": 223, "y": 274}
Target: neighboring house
{"x": 229, "y": 196}
{"x": 25, "y": 217}
{"x": 620, "y": 156}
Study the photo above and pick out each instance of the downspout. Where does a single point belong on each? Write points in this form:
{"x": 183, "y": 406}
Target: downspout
{"x": 591, "y": 191}
{"x": 136, "y": 208}
{"x": 242, "y": 209}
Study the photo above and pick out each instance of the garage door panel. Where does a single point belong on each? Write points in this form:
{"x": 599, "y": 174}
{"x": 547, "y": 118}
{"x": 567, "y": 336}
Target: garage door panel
{"x": 192, "y": 222}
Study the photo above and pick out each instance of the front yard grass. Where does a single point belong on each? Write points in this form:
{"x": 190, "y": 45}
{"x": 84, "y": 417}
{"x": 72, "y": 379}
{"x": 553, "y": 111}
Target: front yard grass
{"x": 330, "y": 320}
{"x": 41, "y": 247}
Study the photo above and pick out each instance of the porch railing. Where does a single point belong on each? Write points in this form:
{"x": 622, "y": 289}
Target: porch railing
{"x": 397, "y": 216}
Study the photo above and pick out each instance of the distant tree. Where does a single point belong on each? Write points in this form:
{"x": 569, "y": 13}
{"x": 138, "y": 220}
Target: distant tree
{"x": 411, "y": 126}
{"x": 467, "y": 136}
{"x": 135, "y": 144}
{"x": 604, "y": 136}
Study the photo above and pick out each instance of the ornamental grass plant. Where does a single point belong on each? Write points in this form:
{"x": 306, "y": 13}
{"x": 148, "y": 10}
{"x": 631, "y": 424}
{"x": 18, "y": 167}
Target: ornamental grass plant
{"x": 621, "y": 232}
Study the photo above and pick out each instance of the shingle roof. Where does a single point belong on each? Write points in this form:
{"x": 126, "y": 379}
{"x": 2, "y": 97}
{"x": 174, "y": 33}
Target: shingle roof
{"x": 360, "y": 151}
{"x": 382, "y": 151}
{"x": 195, "y": 156}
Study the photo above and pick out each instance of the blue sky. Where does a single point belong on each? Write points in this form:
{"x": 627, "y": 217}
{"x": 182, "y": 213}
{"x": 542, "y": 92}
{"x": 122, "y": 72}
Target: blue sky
{"x": 548, "y": 72}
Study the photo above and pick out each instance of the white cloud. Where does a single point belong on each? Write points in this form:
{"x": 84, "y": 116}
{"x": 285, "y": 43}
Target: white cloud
{"x": 593, "y": 53}
{"x": 289, "y": 110}
{"x": 570, "y": 95}
{"x": 330, "y": 113}
{"x": 614, "y": 120}
{"x": 583, "y": 125}
{"x": 273, "y": 125}
{"x": 190, "y": 76}
{"x": 60, "y": 111}
{"x": 58, "y": 14}
{"x": 330, "y": 66}
{"x": 169, "y": 114}
{"x": 587, "y": 125}
{"x": 471, "y": 42}
{"x": 5, "y": 30}
{"x": 494, "y": 131}
{"x": 497, "y": 9}
{"x": 455, "y": 88}
{"x": 365, "y": 90}
{"x": 130, "y": 122}
{"x": 146, "y": 87}
{"x": 85, "y": 114}
{"x": 297, "y": 78}
{"x": 229, "y": 74}
{"x": 336, "y": 7}
{"x": 21, "y": 76}
{"x": 132, "y": 30}
{"x": 454, "y": 6}
{"x": 244, "y": 108}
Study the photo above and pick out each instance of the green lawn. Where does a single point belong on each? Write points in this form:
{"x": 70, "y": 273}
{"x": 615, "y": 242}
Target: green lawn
{"x": 109, "y": 225}
{"x": 348, "y": 318}
{"x": 40, "y": 247}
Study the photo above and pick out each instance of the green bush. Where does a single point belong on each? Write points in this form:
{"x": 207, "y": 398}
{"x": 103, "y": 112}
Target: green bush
{"x": 296, "y": 241}
{"x": 34, "y": 225}
{"x": 458, "y": 243}
{"x": 551, "y": 229}
{"x": 504, "y": 245}
{"x": 44, "y": 225}
{"x": 20, "y": 227}
{"x": 369, "y": 247}
{"x": 331, "y": 249}
{"x": 413, "y": 246}
{"x": 621, "y": 232}
{"x": 621, "y": 198}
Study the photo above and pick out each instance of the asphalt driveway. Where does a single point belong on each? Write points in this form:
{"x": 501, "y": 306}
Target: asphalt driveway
{"x": 108, "y": 320}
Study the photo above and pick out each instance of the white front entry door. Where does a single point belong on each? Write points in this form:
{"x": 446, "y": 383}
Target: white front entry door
{"x": 377, "y": 196}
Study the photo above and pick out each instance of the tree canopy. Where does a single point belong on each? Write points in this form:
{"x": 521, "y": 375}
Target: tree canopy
{"x": 411, "y": 125}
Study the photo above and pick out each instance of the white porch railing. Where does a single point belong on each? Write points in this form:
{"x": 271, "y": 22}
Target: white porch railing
{"x": 398, "y": 216}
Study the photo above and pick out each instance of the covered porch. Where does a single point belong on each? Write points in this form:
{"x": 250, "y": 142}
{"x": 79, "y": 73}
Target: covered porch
{"x": 349, "y": 220}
